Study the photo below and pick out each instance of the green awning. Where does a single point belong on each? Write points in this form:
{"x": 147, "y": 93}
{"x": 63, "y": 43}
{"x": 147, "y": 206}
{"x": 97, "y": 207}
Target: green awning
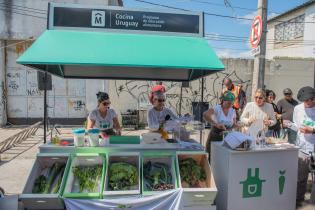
{"x": 82, "y": 54}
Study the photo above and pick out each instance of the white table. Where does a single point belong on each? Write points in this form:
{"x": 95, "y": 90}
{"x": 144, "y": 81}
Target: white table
{"x": 260, "y": 179}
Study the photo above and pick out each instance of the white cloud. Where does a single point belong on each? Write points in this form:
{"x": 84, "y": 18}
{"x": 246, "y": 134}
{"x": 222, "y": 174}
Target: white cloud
{"x": 227, "y": 53}
{"x": 247, "y": 16}
{"x": 272, "y": 15}
{"x": 251, "y": 16}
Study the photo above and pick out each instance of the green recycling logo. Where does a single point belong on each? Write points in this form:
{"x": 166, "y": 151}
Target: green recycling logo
{"x": 281, "y": 181}
{"x": 252, "y": 186}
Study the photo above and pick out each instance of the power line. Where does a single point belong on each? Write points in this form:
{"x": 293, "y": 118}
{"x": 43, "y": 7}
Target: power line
{"x": 221, "y": 5}
{"x": 243, "y": 38}
{"x": 26, "y": 9}
{"x": 24, "y": 6}
{"x": 208, "y": 13}
{"x": 8, "y": 11}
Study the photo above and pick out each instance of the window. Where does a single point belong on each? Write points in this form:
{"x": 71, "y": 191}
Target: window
{"x": 290, "y": 29}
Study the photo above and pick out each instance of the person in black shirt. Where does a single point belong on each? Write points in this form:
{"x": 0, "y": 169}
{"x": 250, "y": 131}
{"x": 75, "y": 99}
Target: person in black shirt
{"x": 286, "y": 108}
{"x": 275, "y": 129}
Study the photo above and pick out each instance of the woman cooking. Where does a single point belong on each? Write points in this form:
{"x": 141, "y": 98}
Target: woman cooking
{"x": 159, "y": 114}
{"x": 222, "y": 117}
{"x": 103, "y": 117}
{"x": 258, "y": 110}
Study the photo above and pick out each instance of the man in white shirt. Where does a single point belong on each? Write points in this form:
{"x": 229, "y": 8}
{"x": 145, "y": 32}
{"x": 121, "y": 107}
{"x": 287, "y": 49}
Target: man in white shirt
{"x": 304, "y": 121}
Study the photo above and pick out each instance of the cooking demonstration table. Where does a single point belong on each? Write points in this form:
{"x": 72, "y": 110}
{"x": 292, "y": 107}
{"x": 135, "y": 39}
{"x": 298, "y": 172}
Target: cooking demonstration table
{"x": 260, "y": 179}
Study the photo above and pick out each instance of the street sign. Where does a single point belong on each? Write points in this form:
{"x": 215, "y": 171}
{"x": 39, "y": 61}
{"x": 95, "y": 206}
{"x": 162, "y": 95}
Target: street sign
{"x": 255, "y": 51}
{"x": 120, "y": 19}
{"x": 256, "y": 32}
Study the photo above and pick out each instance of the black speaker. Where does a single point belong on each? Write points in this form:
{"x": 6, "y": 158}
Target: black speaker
{"x": 198, "y": 108}
{"x": 185, "y": 84}
{"x": 41, "y": 81}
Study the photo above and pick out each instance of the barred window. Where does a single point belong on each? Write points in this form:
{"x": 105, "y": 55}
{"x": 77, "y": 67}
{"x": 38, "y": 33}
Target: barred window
{"x": 290, "y": 30}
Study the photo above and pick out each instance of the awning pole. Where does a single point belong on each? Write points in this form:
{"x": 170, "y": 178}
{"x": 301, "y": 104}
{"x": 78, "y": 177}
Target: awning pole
{"x": 201, "y": 106}
{"x": 180, "y": 100}
{"x": 45, "y": 105}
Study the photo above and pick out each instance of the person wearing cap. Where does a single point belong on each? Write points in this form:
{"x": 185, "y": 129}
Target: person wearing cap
{"x": 304, "y": 122}
{"x": 103, "y": 117}
{"x": 286, "y": 107}
{"x": 222, "y": 118}
{"x": 158, "y": 114}
{"x": 235, "y": 89}
{"x": 258, "y": 110}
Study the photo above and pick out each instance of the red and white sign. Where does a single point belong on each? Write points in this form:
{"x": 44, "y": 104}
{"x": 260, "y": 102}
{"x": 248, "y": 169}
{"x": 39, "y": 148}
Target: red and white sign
{"x": 256, "y": 31}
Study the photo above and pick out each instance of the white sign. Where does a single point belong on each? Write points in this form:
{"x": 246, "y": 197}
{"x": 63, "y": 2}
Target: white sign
{"x": 255, "y": 51}
{"x": 98, "y": 18}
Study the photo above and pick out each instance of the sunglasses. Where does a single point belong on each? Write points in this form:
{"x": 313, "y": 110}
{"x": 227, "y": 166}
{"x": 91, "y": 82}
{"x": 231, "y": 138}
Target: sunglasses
{"x": 257, "y": 97}
{"x": 288, "y": 94}
{"x": 106, "y": 103}
{"x": 160, "y": 100}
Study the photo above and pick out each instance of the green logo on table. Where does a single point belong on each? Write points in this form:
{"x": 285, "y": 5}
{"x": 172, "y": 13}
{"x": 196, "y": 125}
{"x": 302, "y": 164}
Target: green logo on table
{"x": 252, "y": 186}
{"x": 281, "y": 181}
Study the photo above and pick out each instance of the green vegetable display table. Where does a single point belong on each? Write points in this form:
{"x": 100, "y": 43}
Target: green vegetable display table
{"x": 260, "y": 179}
{"x": 137, "y": 172}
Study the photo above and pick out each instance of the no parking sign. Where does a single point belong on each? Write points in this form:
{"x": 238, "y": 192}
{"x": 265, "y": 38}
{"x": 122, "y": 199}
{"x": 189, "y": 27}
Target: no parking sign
{"x": 256, "y": 32}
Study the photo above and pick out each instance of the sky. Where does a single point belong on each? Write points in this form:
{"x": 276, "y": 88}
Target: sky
{"x": 228, "y": 36}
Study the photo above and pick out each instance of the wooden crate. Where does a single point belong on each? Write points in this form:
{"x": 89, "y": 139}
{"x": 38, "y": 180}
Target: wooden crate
{"x": 203, "y": 196}
{"x": 44, "y": 201}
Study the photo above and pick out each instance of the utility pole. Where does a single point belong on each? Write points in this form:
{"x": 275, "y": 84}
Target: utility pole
{"x": 259, "y": 61}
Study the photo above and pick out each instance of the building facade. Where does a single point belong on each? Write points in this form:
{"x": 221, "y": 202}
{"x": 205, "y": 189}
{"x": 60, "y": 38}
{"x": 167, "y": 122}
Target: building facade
{"x": 21, "y": 22}
{"x": 292, "y": 34}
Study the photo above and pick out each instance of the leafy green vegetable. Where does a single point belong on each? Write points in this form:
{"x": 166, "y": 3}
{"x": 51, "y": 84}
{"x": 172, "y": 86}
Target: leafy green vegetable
{"x": 47, "y": 183}
{"x": 53, "y": 173}
{"x": 122, "y": 176}
{"x": 157, "y": 176}
{"x": 57, "y": 182}
{"x": 88, "y": 177}
{"x": 191, "y": 172}
{"x": 39, "y": 184}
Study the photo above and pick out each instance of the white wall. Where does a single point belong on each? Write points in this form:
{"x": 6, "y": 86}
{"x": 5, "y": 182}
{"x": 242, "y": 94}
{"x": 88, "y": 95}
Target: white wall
{"x": 289, "y": 73}
{"x": 280, "y": 74}
{"x": 68, "y": 98}
{"x": 300, "y": 49}
{"x": 309, "y": 34}
{"x": 126, "y": 94}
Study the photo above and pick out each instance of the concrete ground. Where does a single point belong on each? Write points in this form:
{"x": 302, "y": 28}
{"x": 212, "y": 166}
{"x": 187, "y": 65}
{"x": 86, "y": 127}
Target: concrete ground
{"x": 7, "y": 132}
{"x": 17, "y": 162}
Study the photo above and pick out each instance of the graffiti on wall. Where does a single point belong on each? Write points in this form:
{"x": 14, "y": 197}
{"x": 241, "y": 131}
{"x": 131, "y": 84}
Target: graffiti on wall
{"x": 213, "y": 85}
{"x": 77, "y": 107}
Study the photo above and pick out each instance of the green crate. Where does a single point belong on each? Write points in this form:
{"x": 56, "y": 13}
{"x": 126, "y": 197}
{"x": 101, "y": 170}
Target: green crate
{"x": 132, "y": 158}
{"x": 124, "y": 140}
{"x": 84, "y": 159}
{"x": 163, "y": 157}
